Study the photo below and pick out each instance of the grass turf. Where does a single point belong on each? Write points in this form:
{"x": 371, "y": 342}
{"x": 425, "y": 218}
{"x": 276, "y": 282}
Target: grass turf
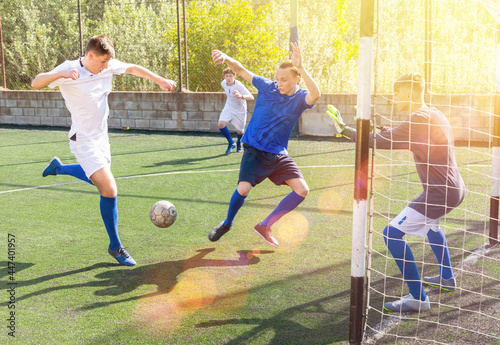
{"x": 185, "y": 289}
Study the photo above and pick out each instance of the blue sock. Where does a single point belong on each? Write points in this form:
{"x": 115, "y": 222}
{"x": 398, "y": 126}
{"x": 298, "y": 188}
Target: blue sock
{"x": 403, "y": 256}
{"x": 109, "y": 213}
{"x": 227, "y": 134}
{"x": 289, "y": 203}
{"x": 235, "y": 204}
{"x": 439, "y": 246}
{"x": 74, "y": 170}
{"x": 238, "y": 142}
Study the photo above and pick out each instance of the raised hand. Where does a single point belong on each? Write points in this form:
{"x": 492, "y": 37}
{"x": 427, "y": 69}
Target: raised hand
{"x": 295, "y": 55}
{"x": 218, "y": 57}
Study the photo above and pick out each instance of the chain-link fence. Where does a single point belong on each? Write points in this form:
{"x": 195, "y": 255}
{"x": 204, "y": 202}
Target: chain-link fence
{"x": 39, "y": 35}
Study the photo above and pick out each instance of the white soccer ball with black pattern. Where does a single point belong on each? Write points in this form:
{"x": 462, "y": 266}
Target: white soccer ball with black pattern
{"x": 163, "y": 214}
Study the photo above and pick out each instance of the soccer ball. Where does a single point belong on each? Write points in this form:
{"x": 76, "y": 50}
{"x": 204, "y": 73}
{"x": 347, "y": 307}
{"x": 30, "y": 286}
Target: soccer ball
{"x": 163, "y": 214}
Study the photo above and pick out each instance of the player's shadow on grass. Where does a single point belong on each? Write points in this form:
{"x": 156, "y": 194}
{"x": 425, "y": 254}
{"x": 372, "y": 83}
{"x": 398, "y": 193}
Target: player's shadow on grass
{"x": 18, "y": 266}
{"x": 184, "y": 161}
{"x": 123, "y": 280}
{"x": 163, "y": 275}
{"x": 22, "y": 283}
{"x": 287, "y": 327}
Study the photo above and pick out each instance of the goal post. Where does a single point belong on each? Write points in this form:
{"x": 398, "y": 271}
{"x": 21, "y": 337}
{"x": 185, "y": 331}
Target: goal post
{"x": 363, "y": 113}
{"x": 495, "y": 161}
{"x": 464, "y": 38}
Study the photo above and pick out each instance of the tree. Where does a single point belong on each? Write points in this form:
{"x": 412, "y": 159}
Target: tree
{"x": 234, "y": 27}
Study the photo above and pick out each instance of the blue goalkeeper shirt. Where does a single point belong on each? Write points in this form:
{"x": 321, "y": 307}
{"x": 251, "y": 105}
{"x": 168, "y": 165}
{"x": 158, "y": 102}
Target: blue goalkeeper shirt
{"x": 274, "y": 116}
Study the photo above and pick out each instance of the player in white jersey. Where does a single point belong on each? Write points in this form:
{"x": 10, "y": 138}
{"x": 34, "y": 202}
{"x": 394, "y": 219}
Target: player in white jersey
{"x": 235, "y": 109}
{"x": 85, "y": 85}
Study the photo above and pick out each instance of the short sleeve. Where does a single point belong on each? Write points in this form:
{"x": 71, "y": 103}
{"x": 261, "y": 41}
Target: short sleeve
{"x": 242, "y": 89}
{"x": 261, "y": 83}
{"x": 65, "y": 66}
{"x": 117, "y": 67}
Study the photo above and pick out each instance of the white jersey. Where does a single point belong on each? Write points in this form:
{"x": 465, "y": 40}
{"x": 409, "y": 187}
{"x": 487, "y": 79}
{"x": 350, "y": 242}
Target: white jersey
{"x": 87, "y": 97}
{"x": 235, "y": 105}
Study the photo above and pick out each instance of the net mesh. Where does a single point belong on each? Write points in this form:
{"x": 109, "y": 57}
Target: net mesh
{"x": 457, "y": 49}
{"x": 39, "y": 35}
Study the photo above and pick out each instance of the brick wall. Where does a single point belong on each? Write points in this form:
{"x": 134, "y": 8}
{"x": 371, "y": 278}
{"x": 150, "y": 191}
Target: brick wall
{"x": 469, "y": 115}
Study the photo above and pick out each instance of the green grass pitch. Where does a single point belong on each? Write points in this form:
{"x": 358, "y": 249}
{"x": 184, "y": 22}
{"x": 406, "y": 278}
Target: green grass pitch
{"x": 185, "y": 289}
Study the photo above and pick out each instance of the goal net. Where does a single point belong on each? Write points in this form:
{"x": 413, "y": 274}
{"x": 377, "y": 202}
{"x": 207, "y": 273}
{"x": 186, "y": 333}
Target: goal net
{"x": 454, "y": 44}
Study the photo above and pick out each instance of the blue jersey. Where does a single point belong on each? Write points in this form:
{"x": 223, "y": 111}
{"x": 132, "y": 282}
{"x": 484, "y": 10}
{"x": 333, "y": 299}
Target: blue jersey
{"x": 274, "y": 116}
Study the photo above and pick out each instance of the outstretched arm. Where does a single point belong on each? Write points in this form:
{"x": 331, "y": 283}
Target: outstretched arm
{"x": 296, "y": 58}
{"x": 339, "y": 123}
{"x": 219, "y": 58}
{"x": 139, "y": 71}
{"x": 44, "y": 79}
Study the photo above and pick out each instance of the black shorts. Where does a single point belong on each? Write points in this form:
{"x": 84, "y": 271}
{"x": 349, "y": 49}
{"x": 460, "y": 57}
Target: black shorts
{"x": 257, "y": 165}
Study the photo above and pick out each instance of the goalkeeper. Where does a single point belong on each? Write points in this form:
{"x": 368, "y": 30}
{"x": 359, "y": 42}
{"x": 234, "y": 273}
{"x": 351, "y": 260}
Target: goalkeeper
{"x": 428, "y": 134}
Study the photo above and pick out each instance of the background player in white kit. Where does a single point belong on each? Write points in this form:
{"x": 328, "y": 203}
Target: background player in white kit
{"x": 235, "y": 109}
{"x": 85, "y": 85}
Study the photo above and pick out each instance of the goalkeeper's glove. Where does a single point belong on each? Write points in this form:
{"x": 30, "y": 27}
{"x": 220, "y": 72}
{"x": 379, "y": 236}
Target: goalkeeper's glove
{"x": 338, "y": 121}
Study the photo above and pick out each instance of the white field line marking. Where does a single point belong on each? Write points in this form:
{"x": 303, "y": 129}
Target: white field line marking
{"x": 161, "y": 174}
{"x": 206, "y": 171}
{"x": 199, "y": 172}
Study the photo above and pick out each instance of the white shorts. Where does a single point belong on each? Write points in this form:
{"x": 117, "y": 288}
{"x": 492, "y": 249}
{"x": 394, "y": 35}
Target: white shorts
{"x": 237, "y": 119}
{"x": 412, "y": 222}
{"x": 92, "y": 155}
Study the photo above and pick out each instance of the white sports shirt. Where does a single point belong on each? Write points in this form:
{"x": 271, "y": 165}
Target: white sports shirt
{"x": 235, "y": 105}
{"x": 87, "y": 97}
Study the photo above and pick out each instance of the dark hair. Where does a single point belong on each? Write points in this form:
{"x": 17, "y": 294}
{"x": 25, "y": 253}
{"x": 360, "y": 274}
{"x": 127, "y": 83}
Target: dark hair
{"x": 100, "y": 45}
{"x": 228, "y": 71}
{"x": 415, "y": 81}
{"x": 289, "y": 64}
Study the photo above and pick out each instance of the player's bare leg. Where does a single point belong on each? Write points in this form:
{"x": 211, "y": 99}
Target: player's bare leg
{"x": 299, "y": 186}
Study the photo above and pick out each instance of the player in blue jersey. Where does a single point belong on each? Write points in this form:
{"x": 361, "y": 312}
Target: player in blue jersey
{"x": 278, "y": 106}
{"x": 428, "y": 134}
{"x": 85, "y": 84}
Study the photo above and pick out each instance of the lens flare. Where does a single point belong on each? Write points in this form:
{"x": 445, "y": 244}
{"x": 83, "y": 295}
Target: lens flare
{"x": 161, "y": 313}
{"x": 195, "y": 290}
{"x": 330, "y": 202}
{"x": 292, "y": 230}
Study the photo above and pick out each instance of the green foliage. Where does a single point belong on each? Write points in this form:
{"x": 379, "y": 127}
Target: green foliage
{"x": 38, "y": 35}
{"x": 137, "y": 33}
{"x": 462, "y": 44}
{"x": 36, "y": 38}
{"x": 235, "y": 28}
{"x": 328, "y": 38}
